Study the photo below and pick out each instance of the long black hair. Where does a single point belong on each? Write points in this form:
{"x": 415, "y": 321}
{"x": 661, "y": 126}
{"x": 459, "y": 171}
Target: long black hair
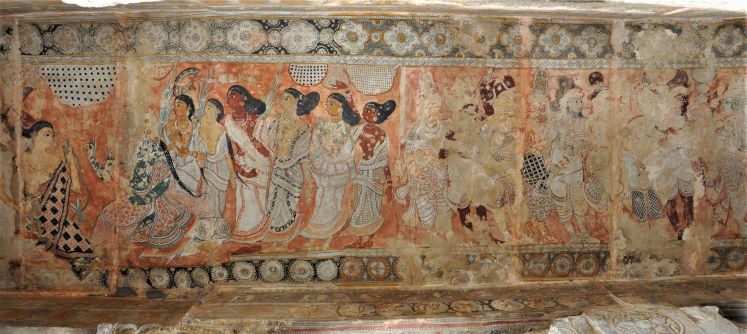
{"x": 36, "y": 127}
{"x": 304, "y": 103}
{"x": 680, "y": 79}
{"x": 219, "y": 116}
{"x": 170, "y": 162}
{"x": 191, "y": 105}
{"x": 382, "y": 110}
{"x": 348, "y": 115}
{"x": 252, "y": 105}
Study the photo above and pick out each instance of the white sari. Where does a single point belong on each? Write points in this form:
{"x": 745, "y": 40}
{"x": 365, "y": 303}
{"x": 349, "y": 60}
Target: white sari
{"x": 332, "y": 155}
{"x": 216, "y": 174}
{"x": 251, "y": 193}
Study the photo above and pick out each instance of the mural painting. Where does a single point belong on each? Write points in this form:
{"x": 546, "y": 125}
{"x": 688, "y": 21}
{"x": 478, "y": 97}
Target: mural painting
{"x": 182, "y": 173}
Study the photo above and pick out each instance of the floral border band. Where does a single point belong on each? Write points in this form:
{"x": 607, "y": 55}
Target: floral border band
{"x": 385, "y": 41}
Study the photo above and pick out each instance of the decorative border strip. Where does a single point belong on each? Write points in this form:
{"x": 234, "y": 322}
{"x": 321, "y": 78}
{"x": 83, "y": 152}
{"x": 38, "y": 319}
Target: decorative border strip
{"x": 563, "y": 264}
{"x": 515, "y": 306}
{"x": 393, "y": 36}
{"x": 572, "y": 63}
{"x": 344, "y": 269}
{"x": 726, "y": 259}
{"x": 389, "y": 61}
{"x": 571, "y": 41}
{"x": 400, "y": 40}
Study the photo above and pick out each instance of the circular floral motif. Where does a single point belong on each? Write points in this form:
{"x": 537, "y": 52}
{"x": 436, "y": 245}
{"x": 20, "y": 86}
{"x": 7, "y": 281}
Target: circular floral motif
{"x": 506, "y": 305}
{"x": 301, "y": 270}
{"x": 562, "y": 265}
{"x": 378, "y": 269}
{"x": 299, "y": 37}
{"x": 200, "y": 277}
{"x": 439, "y": 40}
{"x": 194, "y": 36}
{"x": 94, "y": 279}
{"x": 713, "y": 262}
{"x": 555, "y": 41}
{"x": 476, "y": 38}
{"x": 351, "y": 268}
{"x": 182, "y": 280}
{"x": 67, "y": 39}
{"x": 247, "y": 36}
{"x": 351, "y": 37}
{"x": 587, "y": 265}
{"x": 219, "y": 273}
{"x": 105, "y": 37}
{"x": 592, "y": 41}
{"x": 151, "y": 37}
{"x": 272, "y": 271}
{"x": 735, "y": 259}
{"x": 326, "y": 270}
{"x": 401, "y": 38}
{"x": 353, "y": 310}
{"x": 135, "y": 278}
{"x": 391, "y": 309}
{"x": 465, "y": 306}
{"x": 274, "y": 37}
{"x": 729, "y": 40}
{"x": 513, "y": 40}
{"x": 244, "y": 271}
{"x": 534, "y": 303}
{"x": 31, "y": 40}
{"x": 324, "y": 23}
{"x": 160, "y": 278}
{"x": 399, "y": 268}
{"x": 326, "y": 35}
{"x": 430, "y": 308}
{"x": 639, "y": 322}
{"x": 537, "y": 265}
{"x": 376, "y": 36}
{"x": 218, "y": 36}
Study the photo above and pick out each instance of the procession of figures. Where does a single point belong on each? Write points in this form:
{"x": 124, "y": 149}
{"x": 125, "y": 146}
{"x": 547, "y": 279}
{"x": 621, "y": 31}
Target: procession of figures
{"x": 233, "y": 165}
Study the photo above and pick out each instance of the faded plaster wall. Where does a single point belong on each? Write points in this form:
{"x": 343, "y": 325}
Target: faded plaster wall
{"x": 512, "y": 150}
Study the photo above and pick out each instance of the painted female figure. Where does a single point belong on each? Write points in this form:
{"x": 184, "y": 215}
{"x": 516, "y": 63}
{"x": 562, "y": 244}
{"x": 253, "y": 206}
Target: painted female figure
{"x": 179, "y": 134}
{"x": 251, "y": 163}
{"x": 373, "y": 171}
{"x": 50, "y": 177}
{"x": 216, "y": 173}
{"x": 332, "y": 155}
{"x": 153, "y": 213}
{"x": 291, "y": 150}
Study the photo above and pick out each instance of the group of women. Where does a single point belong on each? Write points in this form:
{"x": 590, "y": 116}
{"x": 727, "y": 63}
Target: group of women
{"x": 274, "y": 158}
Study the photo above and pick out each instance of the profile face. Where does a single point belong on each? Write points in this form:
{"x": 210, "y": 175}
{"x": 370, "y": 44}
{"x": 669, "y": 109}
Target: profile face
{"x": 334, "y": 107}
{"x": 287, "y": 101}
{"x": 235, "y": 100}
{"x": 44, "y": 138}
{"x": 369, "y": 114}
{"x": 211, "y": 112}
